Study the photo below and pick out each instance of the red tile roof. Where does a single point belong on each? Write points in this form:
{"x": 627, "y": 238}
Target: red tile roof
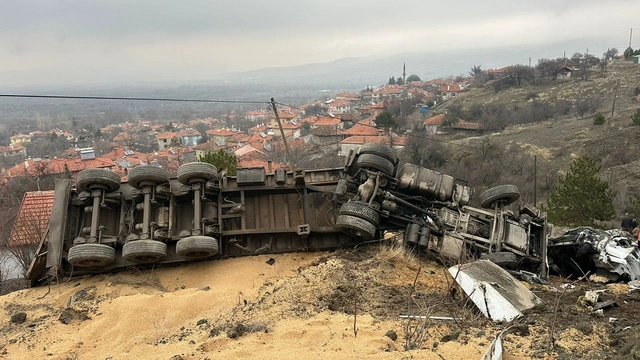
{"x": 460, "y": 124}
{"x": 327, "y": 121}
{"x": 434, "y": 120}
{"x": 56, "y": 166}
{"x": 220, "y": 132}
{"x": 360, "y": 129}
{"x": 33, "y": 218}
{"x": 166, "y": 135}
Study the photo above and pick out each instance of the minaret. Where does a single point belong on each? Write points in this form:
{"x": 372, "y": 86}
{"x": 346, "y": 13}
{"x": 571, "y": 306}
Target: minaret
{"x": 404, "y": 73}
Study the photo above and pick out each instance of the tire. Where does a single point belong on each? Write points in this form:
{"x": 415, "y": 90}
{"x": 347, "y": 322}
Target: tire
{"x": 196, "y": 172}
{"x": 380, "y": 150}
{"x": 376, "y": 163}
{"x": 147, "y": 175}
{"x": 360, "y": 210}
{"x": 356, "y": 227}
{"x": 90, "y": 179}
{"x": 504, "y": 259}
{"x": 144, "y": 251}
{"x": 196, "y": 247}
{"x": 508, "y": 194}
{"x": 91, "y": 255}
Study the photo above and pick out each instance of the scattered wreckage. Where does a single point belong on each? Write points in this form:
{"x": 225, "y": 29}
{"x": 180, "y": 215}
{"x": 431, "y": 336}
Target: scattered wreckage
{"x": 100, "y": 223}
{"x": 609, "y": 253}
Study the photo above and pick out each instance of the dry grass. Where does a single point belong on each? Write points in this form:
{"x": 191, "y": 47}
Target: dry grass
{"x": 392, "y": 251}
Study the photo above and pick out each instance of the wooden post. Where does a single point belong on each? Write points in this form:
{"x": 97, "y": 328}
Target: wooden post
{"x": 274, "y": 106}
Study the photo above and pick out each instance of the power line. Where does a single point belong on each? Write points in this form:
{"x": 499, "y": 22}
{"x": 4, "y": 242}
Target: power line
{"x": 130, "y": 98}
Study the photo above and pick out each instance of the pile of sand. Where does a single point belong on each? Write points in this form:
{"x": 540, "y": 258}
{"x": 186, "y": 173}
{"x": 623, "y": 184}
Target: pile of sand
{"x": 286, "y": 307}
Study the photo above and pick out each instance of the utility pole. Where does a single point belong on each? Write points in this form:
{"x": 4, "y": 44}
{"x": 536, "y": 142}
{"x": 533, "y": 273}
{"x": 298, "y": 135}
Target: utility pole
{"x": 614, "y": 98}
{"x": 630, "y": 35}
{"x": 535, "y": 180}
{"x": 274, "y": 106}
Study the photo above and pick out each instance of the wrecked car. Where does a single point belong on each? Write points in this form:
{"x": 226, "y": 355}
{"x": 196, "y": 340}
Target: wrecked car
{"x": 610, "y": 253}
{"x": 100, "y": 223}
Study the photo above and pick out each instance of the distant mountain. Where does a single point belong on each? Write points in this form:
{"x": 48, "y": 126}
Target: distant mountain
{"x": 362, "y": 71}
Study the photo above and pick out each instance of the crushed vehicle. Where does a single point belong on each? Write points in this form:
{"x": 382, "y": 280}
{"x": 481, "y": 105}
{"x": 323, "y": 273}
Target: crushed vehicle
{"x": 100, "y": 223}
{"x": 610, "y": 253}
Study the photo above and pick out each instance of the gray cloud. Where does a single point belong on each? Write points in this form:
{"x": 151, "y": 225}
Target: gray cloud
{"x": 80, "y": 41}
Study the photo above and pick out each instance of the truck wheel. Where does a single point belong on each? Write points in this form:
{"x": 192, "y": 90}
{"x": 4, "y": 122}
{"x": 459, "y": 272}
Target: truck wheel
{"x": 361, "y": 210}
{"x": 90, "y": 255}
{"x": 356, "y": 227}
{"x": 375, "y": 163}
{"x": 147, "y": 175}
{"x": 196, "y": 172}
{"x": 90, "y": 179}
{"x": 380, "y": 150}
{"x": 195, "y": 247}
{"x": 508, "y": 194}
{"x": 144, "y": 251}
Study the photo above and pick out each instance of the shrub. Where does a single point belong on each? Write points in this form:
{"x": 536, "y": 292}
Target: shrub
{"x": 598, "y": 119}
{"x": 636, "y": 117}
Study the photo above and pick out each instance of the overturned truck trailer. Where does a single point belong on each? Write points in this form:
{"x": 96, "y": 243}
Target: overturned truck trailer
{"x": 99, "y": 223}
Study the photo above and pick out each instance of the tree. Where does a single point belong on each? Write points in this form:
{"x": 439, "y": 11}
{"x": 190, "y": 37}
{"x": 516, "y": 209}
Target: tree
{"x": 221, "y": 160}
{"x": 580, "y": 197}
{"x": 627, "y": 53}
{"x": 392, "y": 81}
{"x": 475, "y": 70}
{"x": 399, "y": 81}
{"x": 412, "y": 78}
{"x": 610, "y": 54}
{"x": 385, "y": 120}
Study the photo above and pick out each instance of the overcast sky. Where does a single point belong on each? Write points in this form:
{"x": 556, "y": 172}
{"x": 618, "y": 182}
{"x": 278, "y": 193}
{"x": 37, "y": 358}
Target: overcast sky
{"x": 52, "y": 41}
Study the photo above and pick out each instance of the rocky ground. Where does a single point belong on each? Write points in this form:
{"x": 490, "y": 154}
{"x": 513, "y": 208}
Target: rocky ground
{"x": 343, "y": 304}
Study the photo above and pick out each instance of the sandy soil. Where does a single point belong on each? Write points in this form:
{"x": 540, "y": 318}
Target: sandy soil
{"x": 301, "y": 306}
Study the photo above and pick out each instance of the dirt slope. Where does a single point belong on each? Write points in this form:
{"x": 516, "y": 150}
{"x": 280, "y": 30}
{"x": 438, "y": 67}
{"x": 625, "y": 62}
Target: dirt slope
{"x": 301, "y": 305}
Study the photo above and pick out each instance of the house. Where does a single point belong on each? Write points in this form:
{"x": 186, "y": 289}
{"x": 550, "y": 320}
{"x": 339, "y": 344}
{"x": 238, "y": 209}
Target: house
{"x": 348, "y": 120}
{"x": 19, "y": 139}
{"x": 325, "y": 135}
{"x": 434, "y": 125}
{"x": 165, "y": 139}
{"x": 326, "y": 121}
{"x": 360, "y": 130}
{"x": 373, "y": 110}
{"x": 209, "y": 146}
{"x": 258, "y": 115}
{"x": 450, "y": 91}
{"x": 30, "y": 225}
{"x": 124, "y": 139}
{"x": 220, "y": 136}
{"x": 339, "y": 106}
{"x": 565, "y": 72}
{"x": 13, "y": 150}
{"x": 189, "y": 137}
{"x": 125, "y": 158}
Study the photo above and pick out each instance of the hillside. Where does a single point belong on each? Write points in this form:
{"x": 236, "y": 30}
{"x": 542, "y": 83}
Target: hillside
{"x": 296, "y": 305}
{"x": 558, "y": 140}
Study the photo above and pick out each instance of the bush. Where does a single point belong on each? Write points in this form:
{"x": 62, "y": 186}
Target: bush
{"x": 636, "y": 117}
{"x": 598, "y": 119}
